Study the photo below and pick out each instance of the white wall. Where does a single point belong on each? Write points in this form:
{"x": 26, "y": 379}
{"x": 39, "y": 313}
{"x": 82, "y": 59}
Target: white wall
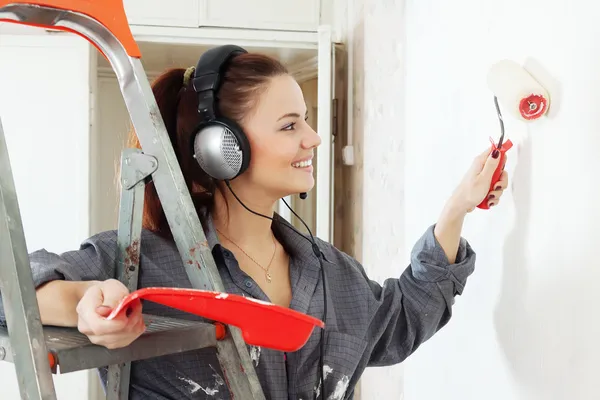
{"x": 526, "y": 326}
{"x": 111, "y": 125}
{"x": 44, "y": 106}
{"x": 376, "y": 48}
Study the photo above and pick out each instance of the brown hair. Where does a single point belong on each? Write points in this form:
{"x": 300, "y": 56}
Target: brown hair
{"x": 245, "y": 79}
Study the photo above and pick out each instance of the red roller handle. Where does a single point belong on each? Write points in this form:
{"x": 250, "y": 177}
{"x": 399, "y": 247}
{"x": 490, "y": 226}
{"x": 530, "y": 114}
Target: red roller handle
{"x": 496, "y": 177}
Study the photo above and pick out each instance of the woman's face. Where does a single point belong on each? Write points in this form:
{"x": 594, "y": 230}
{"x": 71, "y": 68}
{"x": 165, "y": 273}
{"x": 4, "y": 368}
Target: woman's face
{"x": 281, "y": 141}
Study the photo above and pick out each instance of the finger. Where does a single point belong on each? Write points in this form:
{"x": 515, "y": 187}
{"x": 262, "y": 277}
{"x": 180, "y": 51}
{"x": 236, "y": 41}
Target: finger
{"x": 503, "y": 181}
{"x": 483, "y": 155}
{"x": 490, "y": 165}
{"x": 493, "y": 202}
{"x": 92, "y": 298}
{"x": 113, "y": 292}
{"x": 134, "y": 318}
{"x": 494, "y": 195}
{"x": 140, "y": 327}
{"x": 92, "y": 321}
{"x": 136, "y": 308}
{"x": 102, "y": 326}
{"x": 86, "y": 309}
{"x": 112, "y": 341}
{"x": 479, "y": 161}
{"x": 90, "y": 324}
{"x": 103, "y": 311}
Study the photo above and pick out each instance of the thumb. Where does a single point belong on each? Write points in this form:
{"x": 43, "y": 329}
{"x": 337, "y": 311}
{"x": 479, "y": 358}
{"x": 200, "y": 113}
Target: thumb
{"x": 490, "y": 165}
{"x": 103, "y": 311}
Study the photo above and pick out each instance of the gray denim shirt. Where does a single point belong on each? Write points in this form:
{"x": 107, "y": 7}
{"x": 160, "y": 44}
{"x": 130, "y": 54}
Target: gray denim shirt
{"x": 368, "y": 324}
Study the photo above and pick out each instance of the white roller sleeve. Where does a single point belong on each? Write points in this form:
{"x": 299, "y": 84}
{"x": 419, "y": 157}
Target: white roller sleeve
{"x": 517, "y": 91}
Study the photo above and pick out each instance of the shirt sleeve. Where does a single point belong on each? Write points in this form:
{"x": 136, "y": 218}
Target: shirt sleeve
{"x": 94, "y": 260}
{"x": 411, "y": 309}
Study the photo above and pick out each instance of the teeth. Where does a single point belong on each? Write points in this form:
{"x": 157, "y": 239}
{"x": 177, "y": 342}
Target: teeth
{"x": 302, "y": 164}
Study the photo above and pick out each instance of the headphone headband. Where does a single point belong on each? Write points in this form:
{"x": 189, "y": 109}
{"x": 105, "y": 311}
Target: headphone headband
{"x": 207, "y": 77}
{"x": 221, "y": 147}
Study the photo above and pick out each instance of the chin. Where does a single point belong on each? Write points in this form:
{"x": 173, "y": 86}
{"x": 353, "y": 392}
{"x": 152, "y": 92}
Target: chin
{"x": 297, "y": 190}
{"x": 291, "y": 185}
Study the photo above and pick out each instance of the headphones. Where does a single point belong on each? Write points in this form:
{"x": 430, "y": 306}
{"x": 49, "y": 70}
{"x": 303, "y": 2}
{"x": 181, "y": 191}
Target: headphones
{"x": 220, "y": 145}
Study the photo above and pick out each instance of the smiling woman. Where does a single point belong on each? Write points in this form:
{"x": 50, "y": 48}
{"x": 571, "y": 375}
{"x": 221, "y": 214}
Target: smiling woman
{"x": 252, "y": 114}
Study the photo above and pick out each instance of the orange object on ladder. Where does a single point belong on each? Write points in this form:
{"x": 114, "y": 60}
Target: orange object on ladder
{"x": 109, "y": 13}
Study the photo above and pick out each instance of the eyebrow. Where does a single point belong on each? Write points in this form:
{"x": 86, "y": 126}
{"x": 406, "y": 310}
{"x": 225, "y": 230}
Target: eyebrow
{"x": 295, "y": 115}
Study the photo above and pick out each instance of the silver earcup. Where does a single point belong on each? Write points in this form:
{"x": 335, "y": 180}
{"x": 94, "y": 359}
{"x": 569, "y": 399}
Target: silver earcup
{"x": 218, "y": 152}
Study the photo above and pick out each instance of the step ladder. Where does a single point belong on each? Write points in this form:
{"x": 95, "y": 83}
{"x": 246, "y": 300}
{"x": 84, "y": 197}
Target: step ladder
{"x": 38, "y": 351}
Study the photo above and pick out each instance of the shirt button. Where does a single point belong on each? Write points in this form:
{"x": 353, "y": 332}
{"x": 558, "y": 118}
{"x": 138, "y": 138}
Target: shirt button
{"x": 227, "y": 253}
{"x": 248, "y": 284}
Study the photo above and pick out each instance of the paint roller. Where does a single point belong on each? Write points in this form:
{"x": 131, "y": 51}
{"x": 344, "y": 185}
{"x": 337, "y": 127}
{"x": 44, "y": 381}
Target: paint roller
{"x": 517, "y": 91}
{"x": 524, "y": 98}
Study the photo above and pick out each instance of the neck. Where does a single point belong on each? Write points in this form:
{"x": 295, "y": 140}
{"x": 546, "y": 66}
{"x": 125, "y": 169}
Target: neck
{"x": 240, "y": 225}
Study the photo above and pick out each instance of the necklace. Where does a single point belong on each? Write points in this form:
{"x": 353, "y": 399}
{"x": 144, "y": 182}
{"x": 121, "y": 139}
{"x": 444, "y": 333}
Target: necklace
{"x": 267, "y": 273}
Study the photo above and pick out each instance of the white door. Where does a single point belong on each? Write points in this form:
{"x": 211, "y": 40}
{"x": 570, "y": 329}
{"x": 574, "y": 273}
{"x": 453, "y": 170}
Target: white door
{"x": 317, "y": 210}
{"x": 324, "y": 179}
{"x": 45, "y": 110}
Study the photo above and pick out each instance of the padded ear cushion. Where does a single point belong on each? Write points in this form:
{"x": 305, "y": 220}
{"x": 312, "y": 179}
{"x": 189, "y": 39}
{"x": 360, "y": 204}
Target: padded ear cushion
{"x": 242, "y": 140}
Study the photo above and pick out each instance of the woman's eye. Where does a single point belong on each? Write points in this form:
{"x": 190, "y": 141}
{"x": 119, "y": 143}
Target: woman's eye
{"x": 292, "y": 126}
{"x": 289, "y": 127}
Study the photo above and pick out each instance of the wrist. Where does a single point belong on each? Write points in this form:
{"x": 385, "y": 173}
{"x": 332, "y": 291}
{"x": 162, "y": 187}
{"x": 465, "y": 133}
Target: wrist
{"x": 454, "y": 210}
{"x": 82, "y": 287}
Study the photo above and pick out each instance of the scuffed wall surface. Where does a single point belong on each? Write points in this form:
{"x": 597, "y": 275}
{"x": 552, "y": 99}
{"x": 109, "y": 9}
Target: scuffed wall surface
{"x": 526, "y": 326}
{"x": 375, "y": 33}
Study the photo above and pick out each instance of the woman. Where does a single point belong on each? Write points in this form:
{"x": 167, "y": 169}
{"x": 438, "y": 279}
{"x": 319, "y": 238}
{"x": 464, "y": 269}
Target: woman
{"x": 366, "y": 324}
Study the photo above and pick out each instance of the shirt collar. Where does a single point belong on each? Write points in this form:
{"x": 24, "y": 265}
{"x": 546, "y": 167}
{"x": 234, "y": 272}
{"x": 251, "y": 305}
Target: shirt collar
{"x": 304, "y": 265}
{"x": 296, "y": 244}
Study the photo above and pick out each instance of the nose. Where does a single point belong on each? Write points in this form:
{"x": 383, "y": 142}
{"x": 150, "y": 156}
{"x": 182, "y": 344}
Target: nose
{"x": 311, "y": 139}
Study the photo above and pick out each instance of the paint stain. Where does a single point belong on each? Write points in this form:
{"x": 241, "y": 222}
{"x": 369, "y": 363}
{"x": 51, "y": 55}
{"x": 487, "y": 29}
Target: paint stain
{"x": 264, "y": 303}
{"x": 326, "y": 371}
{"x": 194, "y": 387}
{"x": 211, "y": 390}
{"x": 218, "y": 379}
{"x": 340, "y": 389}
{"x": 255, "y": 355}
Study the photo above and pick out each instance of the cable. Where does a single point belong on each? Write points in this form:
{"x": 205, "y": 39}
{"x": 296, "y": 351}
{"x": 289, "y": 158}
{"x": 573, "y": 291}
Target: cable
{"x": 319, "y": 255}
{"x": 317, "y": 252}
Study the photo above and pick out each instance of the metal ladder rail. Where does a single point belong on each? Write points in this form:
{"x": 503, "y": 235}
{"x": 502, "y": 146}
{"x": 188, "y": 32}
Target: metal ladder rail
{"x": 18, "y": 293}
{"x": 135, "y": 168}
{"x": 168, "y": 180}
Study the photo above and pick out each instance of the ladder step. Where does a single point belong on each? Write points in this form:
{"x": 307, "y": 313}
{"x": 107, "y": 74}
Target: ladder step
{"x": 72, "y": 351}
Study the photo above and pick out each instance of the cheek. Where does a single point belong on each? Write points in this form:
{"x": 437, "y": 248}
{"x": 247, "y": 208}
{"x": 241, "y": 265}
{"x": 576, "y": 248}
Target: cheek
{"x": 272, "y": 156}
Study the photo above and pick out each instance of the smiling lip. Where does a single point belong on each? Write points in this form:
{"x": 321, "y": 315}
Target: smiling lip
{"x": 303, "y": 164}
{"x": 302, "y": 159}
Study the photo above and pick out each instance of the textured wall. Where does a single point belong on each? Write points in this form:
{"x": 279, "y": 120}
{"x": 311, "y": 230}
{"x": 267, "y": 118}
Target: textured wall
{"x": 527, "y": 326}
{"x": 375, "y": 34}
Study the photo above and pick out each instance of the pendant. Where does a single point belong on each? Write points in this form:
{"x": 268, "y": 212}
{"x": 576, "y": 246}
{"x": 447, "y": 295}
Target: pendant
{"x": 268, "y": 275}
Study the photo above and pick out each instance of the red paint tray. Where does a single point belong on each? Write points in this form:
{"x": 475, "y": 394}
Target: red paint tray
{"x": 262, "y": 324}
